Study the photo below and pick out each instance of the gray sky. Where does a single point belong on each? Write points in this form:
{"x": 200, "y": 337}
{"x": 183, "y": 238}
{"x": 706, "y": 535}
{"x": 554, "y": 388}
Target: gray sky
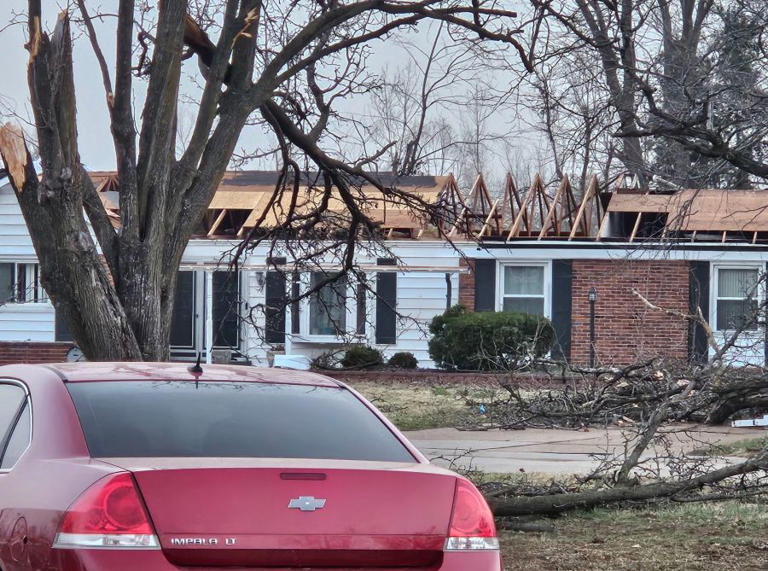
{"x": 94, "y": 137}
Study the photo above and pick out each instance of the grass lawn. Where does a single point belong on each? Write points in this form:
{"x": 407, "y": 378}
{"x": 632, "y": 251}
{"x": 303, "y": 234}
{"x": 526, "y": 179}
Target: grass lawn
{"x": 416, "y": 406}
{"x": 729, "y": 536}
{"x": 747, "y": 447}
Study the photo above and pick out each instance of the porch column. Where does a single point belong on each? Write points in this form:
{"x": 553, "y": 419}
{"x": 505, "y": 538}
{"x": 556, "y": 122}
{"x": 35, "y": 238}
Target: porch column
{"x": 208, "y": 316}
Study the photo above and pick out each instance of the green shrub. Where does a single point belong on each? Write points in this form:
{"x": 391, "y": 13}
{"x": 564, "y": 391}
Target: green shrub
{"x": 362, "y": 357}
{"x": 403, "y": 360}
{"x": 485, "y": 341}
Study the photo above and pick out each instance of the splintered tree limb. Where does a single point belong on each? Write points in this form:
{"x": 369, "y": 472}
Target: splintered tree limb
{"x": 15, "y": 155}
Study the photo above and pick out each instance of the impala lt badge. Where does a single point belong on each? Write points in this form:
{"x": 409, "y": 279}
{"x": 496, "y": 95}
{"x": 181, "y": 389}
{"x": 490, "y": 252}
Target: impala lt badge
{"x": 306, "y": 503}
{"x": 202, "y": 540}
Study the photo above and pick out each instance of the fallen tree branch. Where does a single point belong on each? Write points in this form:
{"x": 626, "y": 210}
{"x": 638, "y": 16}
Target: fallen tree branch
{"x": 559, "y": 503}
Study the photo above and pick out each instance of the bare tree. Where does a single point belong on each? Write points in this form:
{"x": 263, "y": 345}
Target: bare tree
{"x": 684, "y": 79}
{"x": 273, "y": 61}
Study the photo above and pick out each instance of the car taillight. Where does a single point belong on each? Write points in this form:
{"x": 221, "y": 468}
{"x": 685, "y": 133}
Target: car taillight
{"x": 108, "y": 514}
{"x": 472, "y": 524}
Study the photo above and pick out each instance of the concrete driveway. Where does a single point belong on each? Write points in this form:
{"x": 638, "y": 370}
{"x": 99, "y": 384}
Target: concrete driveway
{"x": 553, "y": 451}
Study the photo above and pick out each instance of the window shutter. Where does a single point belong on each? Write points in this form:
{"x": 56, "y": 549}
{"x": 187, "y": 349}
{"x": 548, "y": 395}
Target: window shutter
{"x": 362, "y": 309}
{"x": 562, "y": 301}
{"x": 226, "y": 309}
{"x": 698, "y": 348}
{"x": 62, "y": 332}
{"x": 274, "y": 301}
{"x": 386, "y": 304}
{"x": 183, "y": 316}
{"x": 275, "y": 307}
{"x": 485, "y": 285}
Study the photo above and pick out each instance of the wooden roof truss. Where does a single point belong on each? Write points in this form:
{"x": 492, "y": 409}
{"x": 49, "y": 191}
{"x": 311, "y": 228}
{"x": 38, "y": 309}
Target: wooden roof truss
{"x": 540, "y": 215}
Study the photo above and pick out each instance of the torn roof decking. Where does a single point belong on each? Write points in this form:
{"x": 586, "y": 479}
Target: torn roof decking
{"x": 248, "y": 195}
{"x": 252, "y": 192}
{"x": 541, "y": 211}
{"x": 706, "y": 210}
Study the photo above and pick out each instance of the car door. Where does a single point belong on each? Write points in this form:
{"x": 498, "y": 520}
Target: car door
{"x": 15, "y": 437}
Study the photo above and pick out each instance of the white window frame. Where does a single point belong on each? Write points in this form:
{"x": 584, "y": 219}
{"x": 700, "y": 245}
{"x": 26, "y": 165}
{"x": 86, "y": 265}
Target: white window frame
{"x": 500, "y": 273}
{"x": 715, "y": 294}
{"x": 350, "y": 310}
{"x": 30, "y": 291}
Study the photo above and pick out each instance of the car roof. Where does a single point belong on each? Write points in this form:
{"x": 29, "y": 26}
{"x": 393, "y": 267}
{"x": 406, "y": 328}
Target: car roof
{"x": 143, "y": 371}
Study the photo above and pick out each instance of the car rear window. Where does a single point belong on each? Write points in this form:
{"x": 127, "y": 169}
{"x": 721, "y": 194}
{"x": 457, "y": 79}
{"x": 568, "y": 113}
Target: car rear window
{"x": 210, "y": 419}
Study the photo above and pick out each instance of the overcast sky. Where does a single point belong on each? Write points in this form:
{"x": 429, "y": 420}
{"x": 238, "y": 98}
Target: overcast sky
{"x": 94, "y": 138}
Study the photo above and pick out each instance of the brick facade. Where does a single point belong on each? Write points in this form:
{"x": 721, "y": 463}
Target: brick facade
{"x": 467, "y": 284}
{"x": 32, "y": 352}
{"x": 626, "y": 329}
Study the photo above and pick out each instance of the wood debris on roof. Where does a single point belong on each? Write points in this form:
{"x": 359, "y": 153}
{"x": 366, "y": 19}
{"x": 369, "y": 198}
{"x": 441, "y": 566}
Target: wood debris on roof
{"x": 696, "y": 212}
{"x": 542, "y": 211}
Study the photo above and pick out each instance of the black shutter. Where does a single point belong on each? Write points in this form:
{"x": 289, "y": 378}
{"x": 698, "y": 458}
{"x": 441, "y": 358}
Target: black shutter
{"x": 698, "y": 347}
{"x": 61, "y": 328}
{"x": 386, "y": 304}
{"x": 275, "y": 307}
{"x": 226, "y": 309}
{"x": 183, "y": 317}
{"x": 275, "y": 300}
{"x": 485, "y": 285}
{"x": 362, "y": 309}
{"x": 562, "y": 276}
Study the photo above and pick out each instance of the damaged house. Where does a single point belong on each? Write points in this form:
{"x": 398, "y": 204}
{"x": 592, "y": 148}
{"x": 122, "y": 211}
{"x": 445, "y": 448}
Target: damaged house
{"x": 602, "y": 265}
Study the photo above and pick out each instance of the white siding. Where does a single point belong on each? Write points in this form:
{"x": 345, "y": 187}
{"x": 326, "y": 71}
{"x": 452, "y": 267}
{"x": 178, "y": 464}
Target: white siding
{"x": 420, "y": 297}
{"x": 15, "y": 243}
{"x": 27, "y": 322}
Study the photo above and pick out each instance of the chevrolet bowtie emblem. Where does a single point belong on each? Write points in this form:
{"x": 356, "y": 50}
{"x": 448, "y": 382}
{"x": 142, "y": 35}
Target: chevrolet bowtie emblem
{"x": 306, "y": 503}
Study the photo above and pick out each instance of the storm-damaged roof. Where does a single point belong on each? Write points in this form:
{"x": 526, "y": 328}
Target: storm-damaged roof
{"x": 555, "y": 211}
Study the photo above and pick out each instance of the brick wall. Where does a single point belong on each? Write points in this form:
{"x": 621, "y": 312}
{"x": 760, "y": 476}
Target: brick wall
{"x": 467, "y": 284}
{"x": 31, "y": 352}
{"x": 626, "y": 330}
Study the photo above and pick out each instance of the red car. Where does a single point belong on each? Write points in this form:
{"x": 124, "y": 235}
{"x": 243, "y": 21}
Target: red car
{"x": 145, "y": 466}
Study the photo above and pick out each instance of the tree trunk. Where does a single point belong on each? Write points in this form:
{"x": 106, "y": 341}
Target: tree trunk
{"x": 71, "y": 269}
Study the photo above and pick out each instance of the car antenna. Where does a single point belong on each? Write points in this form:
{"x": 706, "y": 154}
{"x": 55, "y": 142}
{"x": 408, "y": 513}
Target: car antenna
{"x": 196, "y": 368}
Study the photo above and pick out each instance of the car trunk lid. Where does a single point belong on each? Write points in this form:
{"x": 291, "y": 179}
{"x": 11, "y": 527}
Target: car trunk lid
{"x": 369, "y": 515}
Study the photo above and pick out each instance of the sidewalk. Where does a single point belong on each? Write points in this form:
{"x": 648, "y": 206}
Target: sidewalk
{"x": 553, "y": 451}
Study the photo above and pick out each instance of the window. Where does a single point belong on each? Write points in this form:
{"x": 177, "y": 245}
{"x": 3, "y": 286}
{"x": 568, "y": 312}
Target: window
{"x": 328, "y": 305}
{"x": 737, "y": 298}
{"x": 20, "y": 283}
{"x": 524, "y": 289}
{"x": 11, "y": 397}
{"x": 209, "y": 419}
{"x": 13, "y": 401}
{"x": 19, "y": 440}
